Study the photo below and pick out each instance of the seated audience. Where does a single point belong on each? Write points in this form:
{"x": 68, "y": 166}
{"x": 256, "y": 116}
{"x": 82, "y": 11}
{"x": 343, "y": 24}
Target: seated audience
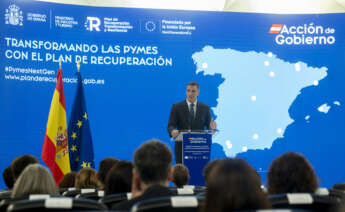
{"x": 68, "y": 181}
{"x": 104, "y": 167}
{"x": 180, "y": 175}
{"x": 119, "y": 178}
{"x": 151, "y": 174}
{"x": 340, "y": 207}
{"x": 8, "y": 177}
{"x": 234, "y": 185}
{"x": 35, "y": 179}
{"x": 291, "y": 173}
{"x": 20, "y": 163}
{"x": 86, "y": 178}
{"x": 208, "y": 168}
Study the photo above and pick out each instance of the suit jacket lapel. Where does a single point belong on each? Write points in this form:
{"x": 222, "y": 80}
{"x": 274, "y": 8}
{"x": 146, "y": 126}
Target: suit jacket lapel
{"x": 185, "y": 106}
{"x": 198, "y": 111}
{"x": 186, "y": 116}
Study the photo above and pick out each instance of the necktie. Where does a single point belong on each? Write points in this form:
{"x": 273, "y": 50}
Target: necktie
{"x": 191, "y": 112}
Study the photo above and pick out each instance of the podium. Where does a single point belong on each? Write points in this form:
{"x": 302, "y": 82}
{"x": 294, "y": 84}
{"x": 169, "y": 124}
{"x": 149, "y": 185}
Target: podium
{"x": 196, "y": 151}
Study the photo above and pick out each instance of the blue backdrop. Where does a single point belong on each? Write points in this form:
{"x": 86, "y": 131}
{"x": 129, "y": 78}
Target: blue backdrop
{"x": 274, "y": 82}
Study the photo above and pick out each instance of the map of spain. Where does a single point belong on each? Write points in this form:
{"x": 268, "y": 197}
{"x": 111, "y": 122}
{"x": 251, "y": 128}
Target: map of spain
{"x": 255, "y": 96}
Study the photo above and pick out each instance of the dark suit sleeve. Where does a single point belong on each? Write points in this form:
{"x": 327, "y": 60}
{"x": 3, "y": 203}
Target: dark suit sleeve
{"x": 208, "y": 117}
{"x": 172, "y": 123}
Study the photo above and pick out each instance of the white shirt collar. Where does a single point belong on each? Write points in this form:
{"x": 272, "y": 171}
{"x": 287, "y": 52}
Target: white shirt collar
{"x": 189, "y": 103}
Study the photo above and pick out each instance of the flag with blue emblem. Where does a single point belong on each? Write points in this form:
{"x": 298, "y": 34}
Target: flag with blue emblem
{"x": 79, "y": 134}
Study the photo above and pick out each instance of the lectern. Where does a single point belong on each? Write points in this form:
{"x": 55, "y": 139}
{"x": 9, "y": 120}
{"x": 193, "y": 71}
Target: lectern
{"x": 196, "y": 150}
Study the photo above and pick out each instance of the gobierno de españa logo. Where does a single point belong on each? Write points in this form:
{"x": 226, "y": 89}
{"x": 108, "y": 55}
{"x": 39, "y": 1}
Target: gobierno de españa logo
{"x": 14, "y": 15}
{"x": 306, "y": 34}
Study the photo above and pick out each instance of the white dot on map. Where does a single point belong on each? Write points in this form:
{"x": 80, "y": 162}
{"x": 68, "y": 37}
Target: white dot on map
{"x": 244, "y": 149}
{"x": 253, "y": 98}
{"x": 204, "y": 65}
{"x": 336, "y": 103}
{"x": 272, "y": 74}
{"x": 255, "y": 136}
{"x": 307, "y": 117}
{"x": 324, "y": 108}
{"x": 279, "y": 130}
{"x": 316, "y": 83}
{"x": 228, "y": 144}
{"x": 267, "y": 63}
{"x": 298, "y": 67}
{"x": 269, "y": 54}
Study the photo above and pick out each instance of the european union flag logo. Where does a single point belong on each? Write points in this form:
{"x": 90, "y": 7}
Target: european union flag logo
{"x": 79, "y": 134}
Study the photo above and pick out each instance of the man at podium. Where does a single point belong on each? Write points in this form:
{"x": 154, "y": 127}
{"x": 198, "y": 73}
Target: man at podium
{"x": 190, "y": 114}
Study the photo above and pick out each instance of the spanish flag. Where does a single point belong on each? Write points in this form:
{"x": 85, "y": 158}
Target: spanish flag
{"x": 55, "y": 147}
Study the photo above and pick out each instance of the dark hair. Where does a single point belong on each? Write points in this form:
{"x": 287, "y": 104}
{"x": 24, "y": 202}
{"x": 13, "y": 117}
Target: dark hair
{"x": 20, "y": 163}
{"x": 208, "y": 168}
{"x": 104, "y": 166}
{"x": 119, "y": 178}
{"x": 86, "y": 178}
{"x": 152, "y": 160}
{"x": 68, "y": 180}
{"x": 291, "y": 173}
{"x": 234, "y": 185}
{"x": 193, "y": 83}
{"x": 8, "y": 177}
{"x": 180, "y": 175}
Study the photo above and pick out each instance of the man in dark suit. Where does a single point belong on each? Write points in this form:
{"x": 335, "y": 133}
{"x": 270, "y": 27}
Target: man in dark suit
{"x": 189, "y": 114}
{"x": 151, "y": 174}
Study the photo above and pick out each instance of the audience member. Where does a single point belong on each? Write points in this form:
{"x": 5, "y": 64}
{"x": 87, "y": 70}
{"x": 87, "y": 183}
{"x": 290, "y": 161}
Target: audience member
{"x": 35, "y": 179}
{"x": 151, "y": 174}
{"x": 104, "y": 167}
{"x": 291, "y": 173}
{"x": 86, "y": 178}
{"x": 20, "y": 163}
{"x": 234, "y": 185}
{"x": 8, "y": 177}
{"x": 208, "y": 168}
{"x": 180, "y": 175}
{"x": 119, "y": 178}
{"x": 68, "y": 181}
{"x": 339, "y": 207}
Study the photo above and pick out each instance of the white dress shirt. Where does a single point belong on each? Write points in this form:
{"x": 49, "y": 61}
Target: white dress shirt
{"x": 189, "y": 105}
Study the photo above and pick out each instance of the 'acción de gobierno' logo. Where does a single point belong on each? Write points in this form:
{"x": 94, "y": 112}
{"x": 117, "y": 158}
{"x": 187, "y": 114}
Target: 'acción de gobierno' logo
{"x": 306, "y": 34}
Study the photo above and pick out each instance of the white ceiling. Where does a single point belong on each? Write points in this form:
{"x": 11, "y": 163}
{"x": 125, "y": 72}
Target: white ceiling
{"x": 261, "y": 6}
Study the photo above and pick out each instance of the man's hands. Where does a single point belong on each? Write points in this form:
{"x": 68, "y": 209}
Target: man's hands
{"x": 213, "y": 125}
{"x": 174, "y": 133}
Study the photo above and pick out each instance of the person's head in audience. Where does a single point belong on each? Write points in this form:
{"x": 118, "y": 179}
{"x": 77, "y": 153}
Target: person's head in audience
{"x": 35, "y": 179}
{"x": 152, "y": 165}
{"x": 208, "y": 168}
{"x": 104, "y": 166}
{"x": 291, "y": 173}
{"x": 119, "y": 178}
{"x": 8, "y": 177}
{"x": 339, "y": 207}
{"x": 86, "y": 178}
{"x": 68, "y": 180}
{"x": 234, "y": 185}
{"x": 20, "y": 163}
{"x": 180, "y": 176}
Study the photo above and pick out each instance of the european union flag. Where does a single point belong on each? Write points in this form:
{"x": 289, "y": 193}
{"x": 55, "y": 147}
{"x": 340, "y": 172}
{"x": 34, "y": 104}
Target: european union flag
{"x": 79, "y": 134}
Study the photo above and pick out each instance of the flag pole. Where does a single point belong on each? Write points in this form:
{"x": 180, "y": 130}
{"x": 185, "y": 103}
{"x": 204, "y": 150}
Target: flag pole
{"x": 78, "y": 65}
{"x": 55, "y": 143}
